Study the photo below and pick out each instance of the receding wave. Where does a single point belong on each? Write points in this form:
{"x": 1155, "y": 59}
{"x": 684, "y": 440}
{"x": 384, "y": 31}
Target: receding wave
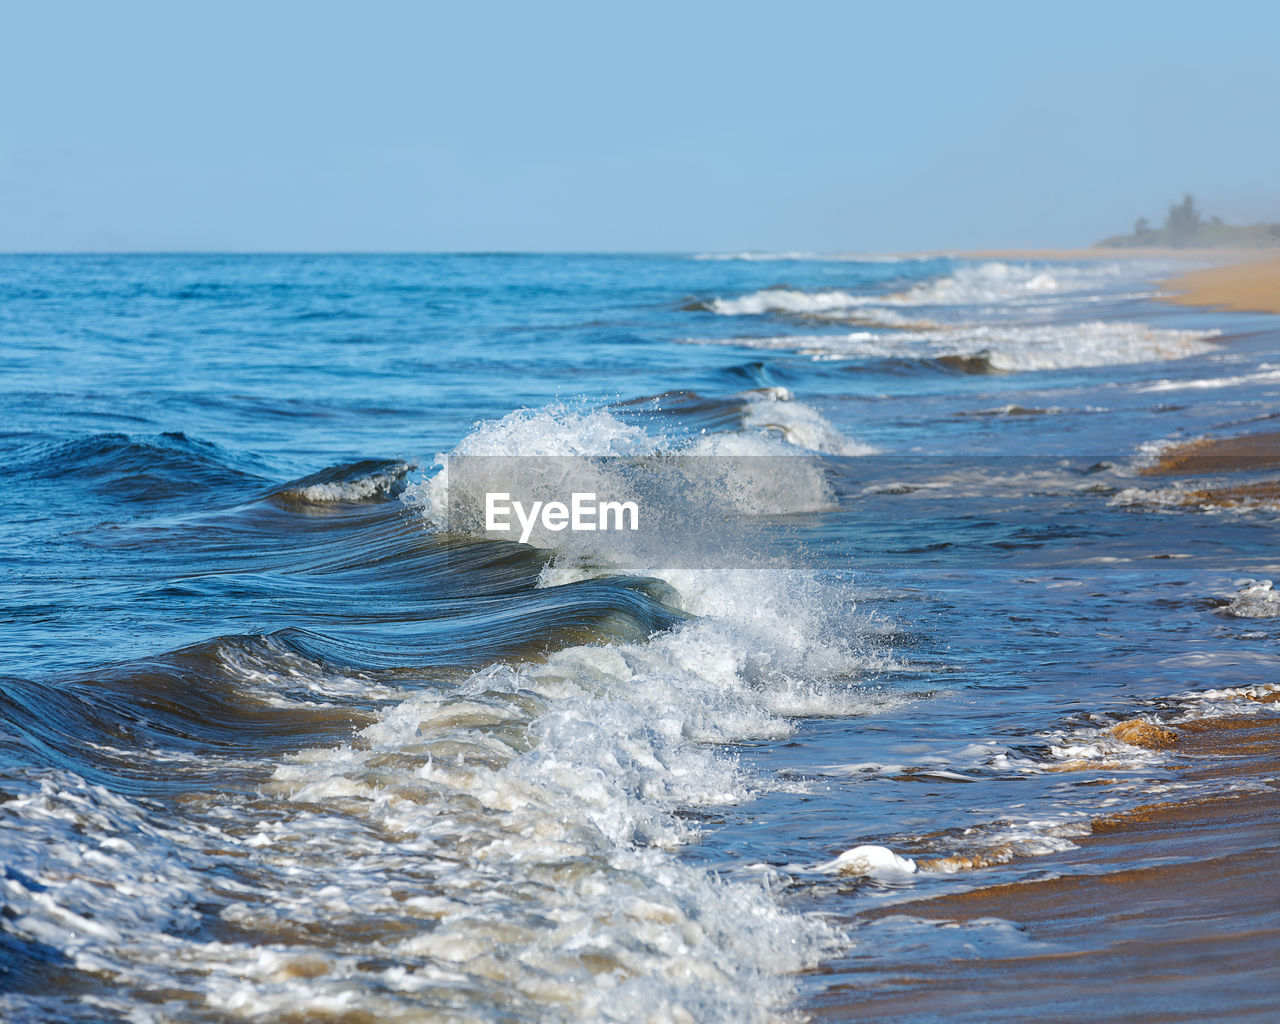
{"x": 997, "y": 349}
{"x": 1265, "y": 374}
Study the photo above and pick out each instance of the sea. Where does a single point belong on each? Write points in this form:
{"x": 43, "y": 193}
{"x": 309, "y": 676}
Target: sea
{"x": 281, "y": 739}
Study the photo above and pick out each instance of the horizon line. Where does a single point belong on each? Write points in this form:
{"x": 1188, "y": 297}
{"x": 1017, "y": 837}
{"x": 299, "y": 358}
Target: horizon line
{"x": 940, "y": 252}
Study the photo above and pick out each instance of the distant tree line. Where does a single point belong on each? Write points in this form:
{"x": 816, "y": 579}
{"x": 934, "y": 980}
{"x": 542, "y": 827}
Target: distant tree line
{"x": 1184, "y": 226}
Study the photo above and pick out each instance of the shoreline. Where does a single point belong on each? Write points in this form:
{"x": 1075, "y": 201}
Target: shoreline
{"x": 1216, "y": 457}
{"x": 1164, "y": 912}
{"x": 1254, "y": 452}
{"x": 1166, "y": 901}
{"x": 1230, "y": 280}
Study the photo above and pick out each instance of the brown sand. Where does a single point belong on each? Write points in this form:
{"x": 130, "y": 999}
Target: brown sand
{"x": 1144, "y": 734}
{"x": 1254, "y": 452}
{"x": 1192, "y": 935}
{"x": 1250, "y": 287}
{"x": 1261, "y": 495}
{"x": 1217, "y": 455}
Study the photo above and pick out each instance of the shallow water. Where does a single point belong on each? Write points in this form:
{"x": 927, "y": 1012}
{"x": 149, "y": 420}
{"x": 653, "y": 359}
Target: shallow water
{"x": 275, "y": 742}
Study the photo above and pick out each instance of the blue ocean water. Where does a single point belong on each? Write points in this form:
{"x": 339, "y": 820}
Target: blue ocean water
{"x": 276, "y": 742}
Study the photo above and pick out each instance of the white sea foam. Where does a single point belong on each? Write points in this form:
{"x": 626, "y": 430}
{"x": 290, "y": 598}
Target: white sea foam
{"x": 530, "y": 809}
{"x": 680, "y": 483}
{"x": 980, "y": 284}
{"x": 616, "y": 739}
{"x": 1171, "y": 497}
{"x": 1194, "y": 495}
{"x": 869, "y": 860}
{"x": 800, "y": 424}
{"x": 1256, "y": 692}
{"x": 272, "y": 674}
{"x": 787, "y": 300}
{"x": 1255, "y": 699}
{"x": 1266, "y": 373}
{"x": 1254, "y": 599}
{"x": 998, "y": 282}
{"x": 1010, "y": 349}
{"x": 613, "y": 741}
{"x": 991, "y": 282}
{"x": 508, "y": 841}
{"x": 350, "y": 490}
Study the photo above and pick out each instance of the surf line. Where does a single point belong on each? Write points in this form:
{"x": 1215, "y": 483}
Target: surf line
{"x": 583, "y": 513}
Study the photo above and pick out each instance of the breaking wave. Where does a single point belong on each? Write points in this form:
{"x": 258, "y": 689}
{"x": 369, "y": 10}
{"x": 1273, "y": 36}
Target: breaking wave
{"x": 988, "y": 348}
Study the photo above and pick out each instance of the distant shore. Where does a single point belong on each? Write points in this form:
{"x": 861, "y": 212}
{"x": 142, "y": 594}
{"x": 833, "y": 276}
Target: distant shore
{"x": 1200, "y": 256}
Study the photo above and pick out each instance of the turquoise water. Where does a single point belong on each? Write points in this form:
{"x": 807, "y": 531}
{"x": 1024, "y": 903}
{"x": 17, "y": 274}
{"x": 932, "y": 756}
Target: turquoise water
{"x": 274, "y": 741}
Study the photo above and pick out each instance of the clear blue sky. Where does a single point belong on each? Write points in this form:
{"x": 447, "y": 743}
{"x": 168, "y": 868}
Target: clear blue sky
{"x": 292, "y": 126}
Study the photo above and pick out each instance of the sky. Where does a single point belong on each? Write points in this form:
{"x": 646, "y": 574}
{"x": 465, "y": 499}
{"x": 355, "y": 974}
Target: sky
{"x": 548, "y": 126}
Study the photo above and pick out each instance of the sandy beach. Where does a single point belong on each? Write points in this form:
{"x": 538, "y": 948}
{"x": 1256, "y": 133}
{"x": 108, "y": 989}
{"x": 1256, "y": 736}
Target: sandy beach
{"x": 1251, "y": 286}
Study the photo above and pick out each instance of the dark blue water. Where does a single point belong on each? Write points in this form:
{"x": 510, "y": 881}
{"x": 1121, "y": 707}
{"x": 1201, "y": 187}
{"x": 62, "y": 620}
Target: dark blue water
{"x": 275, "y": 741}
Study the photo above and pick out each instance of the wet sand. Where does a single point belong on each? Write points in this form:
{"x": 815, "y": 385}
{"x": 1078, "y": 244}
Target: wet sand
{"x": 1245, "y": 452}
{"x": 1263, "y": 493}
{"x": 1254, "y": 453}
{"x": 1167, "y": 913}
{"x": 1252, "y": 286}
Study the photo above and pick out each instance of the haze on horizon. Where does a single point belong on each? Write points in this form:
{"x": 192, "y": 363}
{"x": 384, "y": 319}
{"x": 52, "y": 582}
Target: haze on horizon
{"x": 663, "y": 127}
